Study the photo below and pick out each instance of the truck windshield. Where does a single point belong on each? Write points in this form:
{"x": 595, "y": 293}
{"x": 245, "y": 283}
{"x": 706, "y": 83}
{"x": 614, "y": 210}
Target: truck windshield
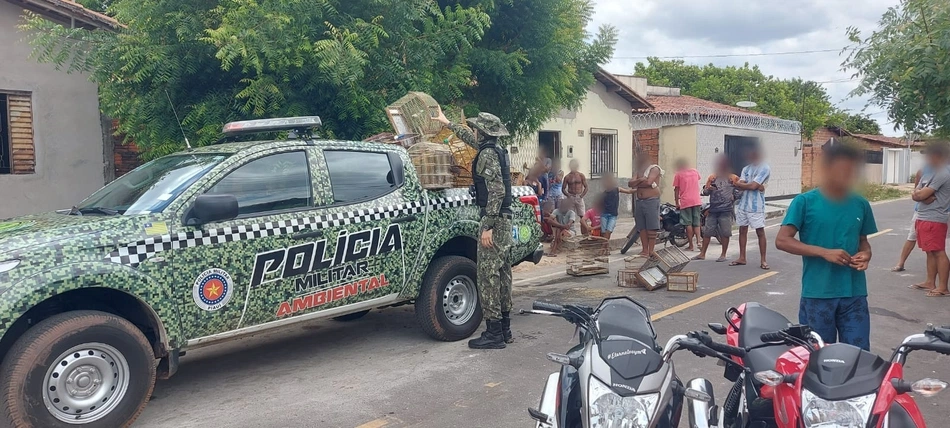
{"x": 150, "y": 187}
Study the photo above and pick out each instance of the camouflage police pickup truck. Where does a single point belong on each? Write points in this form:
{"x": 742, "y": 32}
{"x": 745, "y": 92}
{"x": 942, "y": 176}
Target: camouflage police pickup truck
{"x": 219, "y": 242}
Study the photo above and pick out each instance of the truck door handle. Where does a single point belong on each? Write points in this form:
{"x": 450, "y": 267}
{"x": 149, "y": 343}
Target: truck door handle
{"x": 405, "y": 219}
{"x": 308, "y": 235}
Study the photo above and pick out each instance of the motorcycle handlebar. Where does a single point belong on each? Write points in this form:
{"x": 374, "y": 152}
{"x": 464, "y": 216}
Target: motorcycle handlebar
{"x": 775, "y": 336}
{"x": 727, "y": 349}
{"x": 549, "y": 307}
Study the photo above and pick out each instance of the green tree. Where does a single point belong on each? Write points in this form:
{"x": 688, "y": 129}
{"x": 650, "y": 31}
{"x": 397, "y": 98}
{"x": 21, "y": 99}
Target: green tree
{"x": 224, "y": 60}
{"x": 793, "y": 99}
{"x": 854, "y": 123}
{"x": 904, "y": 65}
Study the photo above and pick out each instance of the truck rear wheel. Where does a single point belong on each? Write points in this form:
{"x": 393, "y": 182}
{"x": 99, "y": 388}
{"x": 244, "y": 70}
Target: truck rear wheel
{"x": 84, "y": 368}
{"x": 448, "y": 308}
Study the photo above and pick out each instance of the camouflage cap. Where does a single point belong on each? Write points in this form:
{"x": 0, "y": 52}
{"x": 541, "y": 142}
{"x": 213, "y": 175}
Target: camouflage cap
{"x": 488, "y": 124}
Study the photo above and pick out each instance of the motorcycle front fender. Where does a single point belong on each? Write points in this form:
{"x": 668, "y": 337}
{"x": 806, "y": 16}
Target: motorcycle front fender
{"x": 548, "y": 404}
{"x": 702, "y": 413}
{"x": 904, "y": 413}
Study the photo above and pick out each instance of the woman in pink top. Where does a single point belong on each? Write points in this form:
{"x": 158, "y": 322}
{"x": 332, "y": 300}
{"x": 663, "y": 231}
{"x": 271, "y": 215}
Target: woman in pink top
{"x": 686, "y": 193}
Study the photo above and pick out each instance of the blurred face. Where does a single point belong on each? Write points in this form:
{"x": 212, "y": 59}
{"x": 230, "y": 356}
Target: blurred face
{"x": 609, "y": 182}
{"x": 575, "y": 165}
{"x": 547, "y": 208}
{"x": 841, "y": 173}
{"x": 722, "y": 164}
{"x": 754, "y": 156}
{"x": 936, "y": 159}
{"x": 566, "y": 205}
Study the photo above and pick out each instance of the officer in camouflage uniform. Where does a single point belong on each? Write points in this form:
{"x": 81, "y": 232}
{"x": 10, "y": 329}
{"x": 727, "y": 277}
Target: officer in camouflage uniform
{"x": 492, "y": 176}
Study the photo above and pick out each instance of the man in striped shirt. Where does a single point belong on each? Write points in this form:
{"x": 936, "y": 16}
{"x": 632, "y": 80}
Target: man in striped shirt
{"x": 751, "y": 209}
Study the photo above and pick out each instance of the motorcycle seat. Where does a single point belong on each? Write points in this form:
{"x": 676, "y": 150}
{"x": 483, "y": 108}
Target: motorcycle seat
{"x": 756, "y": 320}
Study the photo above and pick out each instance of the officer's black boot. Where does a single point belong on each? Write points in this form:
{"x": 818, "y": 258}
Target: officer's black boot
{"x": 491, "y": 338}
{"x": 506, "y": 327}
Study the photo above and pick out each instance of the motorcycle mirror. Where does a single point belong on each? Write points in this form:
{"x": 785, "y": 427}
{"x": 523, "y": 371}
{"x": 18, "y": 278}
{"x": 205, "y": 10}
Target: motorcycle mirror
{"x": 770, "y": 377}
{"x": 717, "y": 327}
{"x": 928, "y": 387}
{"x": 695, "y": 394}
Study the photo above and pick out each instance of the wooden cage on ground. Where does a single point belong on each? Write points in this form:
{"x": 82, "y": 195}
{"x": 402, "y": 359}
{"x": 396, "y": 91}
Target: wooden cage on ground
{"x": 585, "y": 255}
{"x": 682, "y": 281}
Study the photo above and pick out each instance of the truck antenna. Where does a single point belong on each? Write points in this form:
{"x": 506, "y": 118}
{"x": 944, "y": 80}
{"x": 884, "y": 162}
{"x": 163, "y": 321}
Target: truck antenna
{"x": 187, "y": 143}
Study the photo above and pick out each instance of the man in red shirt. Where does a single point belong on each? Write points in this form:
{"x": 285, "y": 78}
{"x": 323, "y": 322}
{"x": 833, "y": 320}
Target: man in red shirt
{"x": 686, "y": 194}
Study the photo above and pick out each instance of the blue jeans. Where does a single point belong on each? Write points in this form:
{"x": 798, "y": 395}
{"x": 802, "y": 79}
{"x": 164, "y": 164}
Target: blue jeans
{"x": 845, "y": 320}
{"x": 607, "y": 222}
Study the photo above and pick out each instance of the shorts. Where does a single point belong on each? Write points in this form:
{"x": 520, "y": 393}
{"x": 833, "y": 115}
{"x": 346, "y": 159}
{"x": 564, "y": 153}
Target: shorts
{"x": 608, "y": 222}
{"x": 931, "y": 235}
{"x": 647, "y": 214}
{"x": 845, "y": 320}
{"x": 579, "y": 207}
{"x": 691, "y": 216}
{"x": 718, "y": 224}
{"x": 912, "y": 235}
{"x": 595, "y": 232}
{"x": 750, "y": 219}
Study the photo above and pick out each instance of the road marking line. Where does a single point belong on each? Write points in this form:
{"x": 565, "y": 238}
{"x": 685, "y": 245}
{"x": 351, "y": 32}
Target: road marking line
{"x": 493, "y": 384}
{"x": 873, "y": 235}
{"x": 378, "y": 423}
{"x": 710, "y": 296}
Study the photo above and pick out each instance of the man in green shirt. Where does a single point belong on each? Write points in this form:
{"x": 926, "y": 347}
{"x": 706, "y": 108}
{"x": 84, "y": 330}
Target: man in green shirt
{"x": 833, "y": 223}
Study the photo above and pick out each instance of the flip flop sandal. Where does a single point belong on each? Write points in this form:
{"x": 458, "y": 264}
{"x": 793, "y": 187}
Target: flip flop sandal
{"x": 918, "y": 287}
{"x": 721, "y": 259}
{"x": 935, "y": 293}
{"x": 897, "y": 269}
{"x": 764, "y": 266}
{"x": 736, "y": 264}
{"x": 698, "y": 258}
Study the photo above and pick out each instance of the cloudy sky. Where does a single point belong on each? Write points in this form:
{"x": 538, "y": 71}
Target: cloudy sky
{"x": 690, "y": 29}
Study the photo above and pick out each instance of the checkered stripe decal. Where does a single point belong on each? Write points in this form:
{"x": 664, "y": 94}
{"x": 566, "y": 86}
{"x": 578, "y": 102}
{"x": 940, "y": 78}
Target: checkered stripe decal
{"x": 138, "y": 252}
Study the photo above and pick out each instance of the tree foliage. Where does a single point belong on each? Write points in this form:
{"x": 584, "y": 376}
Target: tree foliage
{"x": 344, "y": 60}
{"x": 792, "y": 99}
{"x": 904, "y": 65}
{"x": 855, "y": 123}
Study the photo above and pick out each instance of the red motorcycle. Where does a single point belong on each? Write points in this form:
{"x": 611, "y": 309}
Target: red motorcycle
{"x": 788, "y": 378}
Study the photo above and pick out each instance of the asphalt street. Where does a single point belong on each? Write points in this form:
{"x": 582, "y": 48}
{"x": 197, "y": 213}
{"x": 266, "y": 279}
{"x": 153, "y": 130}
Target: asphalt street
{"x": 383, "y": 371}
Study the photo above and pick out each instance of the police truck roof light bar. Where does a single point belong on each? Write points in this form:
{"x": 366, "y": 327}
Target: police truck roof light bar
{"x": 300, "y": 123}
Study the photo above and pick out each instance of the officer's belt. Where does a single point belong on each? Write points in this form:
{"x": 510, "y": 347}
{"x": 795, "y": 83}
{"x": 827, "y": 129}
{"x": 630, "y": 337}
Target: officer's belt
{"x": 508, "y": 216}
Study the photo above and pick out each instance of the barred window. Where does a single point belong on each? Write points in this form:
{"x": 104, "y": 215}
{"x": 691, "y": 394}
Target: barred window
{"x": 603, "y": 151}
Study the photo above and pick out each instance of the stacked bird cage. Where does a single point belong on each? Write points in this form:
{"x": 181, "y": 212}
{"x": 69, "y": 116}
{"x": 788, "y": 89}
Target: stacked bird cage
{"x": 672, "y": 259}
{"x": 585, "y": 256}
{"x": 413, "y": 114}
{"x": 433, "y": 165}
{"x": 462, "y": 157}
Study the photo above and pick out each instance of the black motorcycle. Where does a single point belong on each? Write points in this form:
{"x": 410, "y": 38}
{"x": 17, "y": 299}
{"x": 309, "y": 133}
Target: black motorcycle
{"x": 671, "y": 230}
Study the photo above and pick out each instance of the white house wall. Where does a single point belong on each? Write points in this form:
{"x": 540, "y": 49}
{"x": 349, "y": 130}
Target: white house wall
{"x": 782, "y": 153}
{"x": 600, "y": 109}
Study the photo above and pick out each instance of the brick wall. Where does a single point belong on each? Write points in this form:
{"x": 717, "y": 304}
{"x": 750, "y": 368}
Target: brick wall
{"x": 125, "y": 157}
{"x": 649, "y": 140}
{"x": 811, "y": 156}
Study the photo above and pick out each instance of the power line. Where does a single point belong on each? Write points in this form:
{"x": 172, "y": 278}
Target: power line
{"x": 732, "y": 55}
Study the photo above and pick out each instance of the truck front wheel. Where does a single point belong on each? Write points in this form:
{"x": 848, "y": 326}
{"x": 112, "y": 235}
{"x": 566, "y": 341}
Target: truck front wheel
{"x": 85, "y": 368}
{"x": 448, "y": 308}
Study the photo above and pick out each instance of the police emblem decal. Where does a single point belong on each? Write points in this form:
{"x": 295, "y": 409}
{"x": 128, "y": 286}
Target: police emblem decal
{"x": 213, "y": 289}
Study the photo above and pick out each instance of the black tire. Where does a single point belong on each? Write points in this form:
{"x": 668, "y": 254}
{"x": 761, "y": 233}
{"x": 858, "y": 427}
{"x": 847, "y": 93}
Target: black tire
{"x": 37, "y": 351}
{"x": 679, "y": 239}
{"x": 351, "y": 317}
{"x": 632, "y": 239}
{"x": 429, "y": 306}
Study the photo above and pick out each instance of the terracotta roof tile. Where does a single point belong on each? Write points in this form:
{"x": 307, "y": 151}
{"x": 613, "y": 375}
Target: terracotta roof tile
{"x": 892, "y": 141}
{"x": 682, "y": 104}
{"x": 64, "y": 10}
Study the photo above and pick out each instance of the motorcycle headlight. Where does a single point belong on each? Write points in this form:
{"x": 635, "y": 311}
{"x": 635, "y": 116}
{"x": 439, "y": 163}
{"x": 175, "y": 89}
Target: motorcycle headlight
{"x": 850, "y": 413}
{"x": 609, "y": 410}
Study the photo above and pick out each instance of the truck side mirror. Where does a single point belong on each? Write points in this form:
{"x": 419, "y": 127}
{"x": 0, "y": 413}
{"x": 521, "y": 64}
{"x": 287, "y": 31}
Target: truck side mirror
{"x": 398, "y": 170}
{"x": 212, "y": 208}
